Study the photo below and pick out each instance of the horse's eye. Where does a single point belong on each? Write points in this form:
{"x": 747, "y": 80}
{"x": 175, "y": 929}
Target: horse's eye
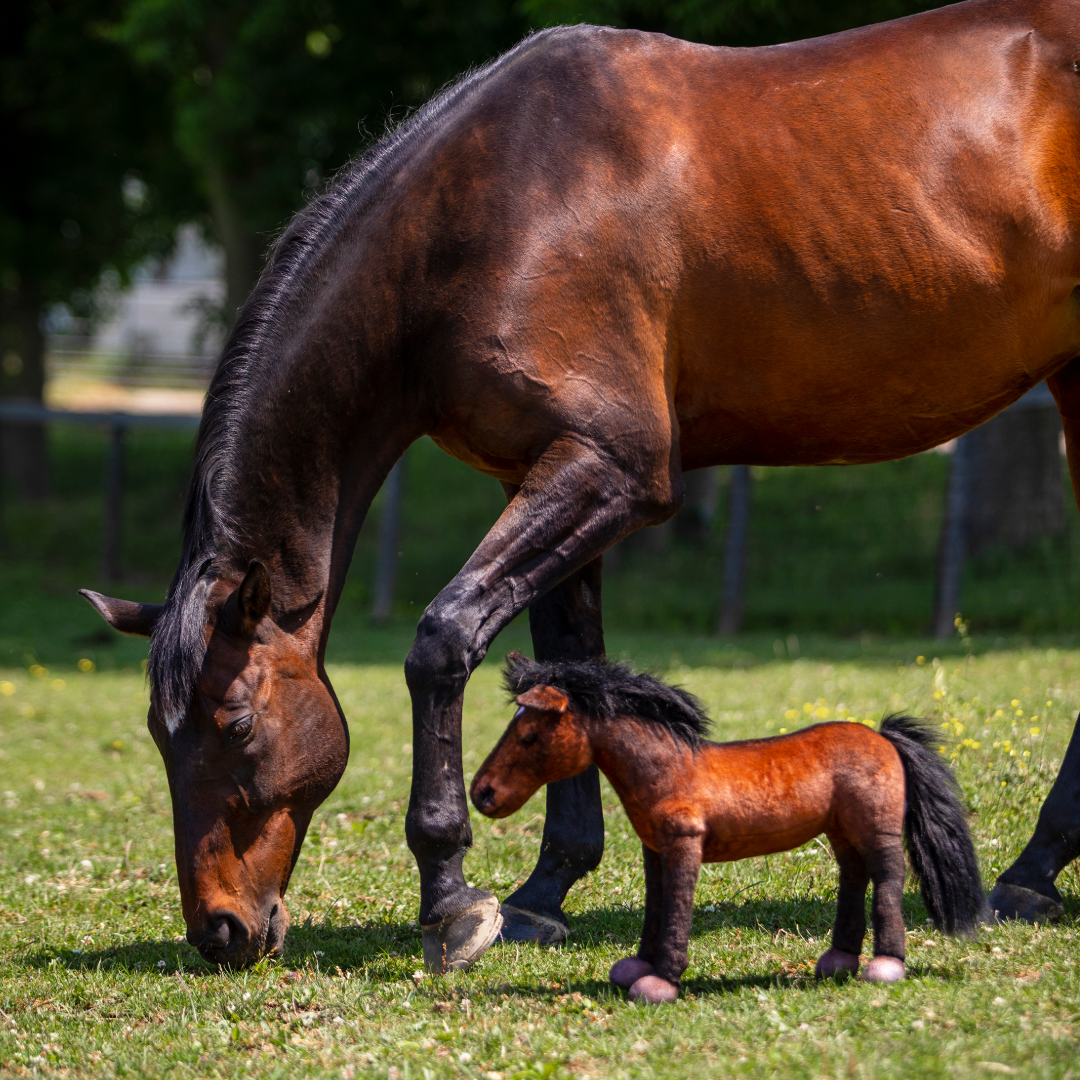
{"x": 529, "y": 739}
{"x": 239, "y": 728}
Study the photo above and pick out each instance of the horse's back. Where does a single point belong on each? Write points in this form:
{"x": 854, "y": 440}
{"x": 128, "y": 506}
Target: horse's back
{"x": 761, "y": 796}
{"x": 845, "y": 249}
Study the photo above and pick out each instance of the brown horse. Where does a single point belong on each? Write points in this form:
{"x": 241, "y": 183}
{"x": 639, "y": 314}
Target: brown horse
{"x": 603, "y": 259}
{"x": 692, "y": 801}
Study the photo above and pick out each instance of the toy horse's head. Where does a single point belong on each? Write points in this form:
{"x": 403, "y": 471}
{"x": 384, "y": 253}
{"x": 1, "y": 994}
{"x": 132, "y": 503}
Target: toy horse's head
{"x": 544, "y": 742}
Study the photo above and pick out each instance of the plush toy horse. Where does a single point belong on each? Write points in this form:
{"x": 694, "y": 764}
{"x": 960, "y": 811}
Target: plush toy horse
{"x": 693, "y": 801}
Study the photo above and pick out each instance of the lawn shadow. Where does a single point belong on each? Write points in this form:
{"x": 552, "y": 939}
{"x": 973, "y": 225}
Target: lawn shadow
{"x": 167, "y": 957}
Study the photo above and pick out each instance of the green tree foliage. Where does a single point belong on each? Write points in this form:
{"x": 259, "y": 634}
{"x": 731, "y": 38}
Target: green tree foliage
{"x": 82, "y": 143}
{"x": 725, "y": 22}
{"x": 269, "y": 97}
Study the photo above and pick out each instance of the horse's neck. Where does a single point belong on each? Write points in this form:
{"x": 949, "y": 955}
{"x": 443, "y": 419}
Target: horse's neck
{"x": 311, "y": 444}
{"x": 633, "y": 754}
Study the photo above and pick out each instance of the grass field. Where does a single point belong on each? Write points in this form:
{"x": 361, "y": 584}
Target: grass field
{"x": 95, "y": 976}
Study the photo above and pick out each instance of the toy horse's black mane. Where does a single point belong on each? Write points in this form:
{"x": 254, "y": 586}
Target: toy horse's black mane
{"x": 605, "y": 690}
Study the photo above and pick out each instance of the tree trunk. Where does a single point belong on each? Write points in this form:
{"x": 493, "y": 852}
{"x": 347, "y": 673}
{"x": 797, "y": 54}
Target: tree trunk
{"x": 1016, "y": 492}
{"x": 243, "y": 260}
{"x": 23, "y": 447}
{"x": 694, "y": 520}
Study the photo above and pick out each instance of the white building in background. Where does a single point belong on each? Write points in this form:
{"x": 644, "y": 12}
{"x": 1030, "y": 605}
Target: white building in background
{"x": 169, "y": 312}
{"x": 157, "y": 346}
{"x": 163, "y": 330}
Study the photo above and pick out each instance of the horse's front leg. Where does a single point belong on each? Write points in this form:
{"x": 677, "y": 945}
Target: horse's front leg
{"x": 680, "y": 863}
{"x": 566, "y": 624}
{"x": 627, "y": 971}
{"x": 575, "y": 502}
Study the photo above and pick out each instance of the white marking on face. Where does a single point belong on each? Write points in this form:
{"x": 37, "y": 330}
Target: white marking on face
{"x": 172, "y": 722}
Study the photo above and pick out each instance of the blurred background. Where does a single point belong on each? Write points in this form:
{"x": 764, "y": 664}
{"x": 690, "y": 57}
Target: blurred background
{"x": 156, "y": 147}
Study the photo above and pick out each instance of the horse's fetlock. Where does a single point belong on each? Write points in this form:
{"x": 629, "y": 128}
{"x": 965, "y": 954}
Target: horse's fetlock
{"x": 436, "y": 833}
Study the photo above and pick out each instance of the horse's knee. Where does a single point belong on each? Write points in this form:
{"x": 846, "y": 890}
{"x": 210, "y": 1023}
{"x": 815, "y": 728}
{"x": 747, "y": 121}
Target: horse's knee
{"x": 442, "y": 654}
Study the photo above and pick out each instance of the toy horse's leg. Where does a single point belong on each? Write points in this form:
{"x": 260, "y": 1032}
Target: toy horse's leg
{"x": 576, "y": 501}
{"x": 627, "y": 971}
{"x": 566, "y": 624}
{"x": 887, "y": 871}
{"x": 680, "y": 862}
{"x": 850, "y": 926}
{"x": 1027, "y": 890}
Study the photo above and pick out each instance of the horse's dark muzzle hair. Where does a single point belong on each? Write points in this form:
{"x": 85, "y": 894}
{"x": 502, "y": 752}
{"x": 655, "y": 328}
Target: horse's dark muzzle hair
{"x": 484, "y": 799}
{"x": 226, "y": 941}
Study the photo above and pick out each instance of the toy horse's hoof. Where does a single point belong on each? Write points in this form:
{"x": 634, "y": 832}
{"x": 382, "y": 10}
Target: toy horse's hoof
{"x": 836, "y": 963}
{"x": 1015, "y": 902}
{"x": 883, "y": 969}
{"x": 653, "y": 990}
{"x": 522, "y": 925}
{"x": 458, "y": 941}
{"x": 627, "y": 971}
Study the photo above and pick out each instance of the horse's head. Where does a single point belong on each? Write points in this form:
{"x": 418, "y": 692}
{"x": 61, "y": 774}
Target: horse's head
{"x": 261, "y": 744}
{"x": 544, "y": 742}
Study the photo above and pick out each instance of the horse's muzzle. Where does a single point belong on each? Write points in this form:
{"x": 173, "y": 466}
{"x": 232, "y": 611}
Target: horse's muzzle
{"x": 225, "y": 939}
{"x": 484, "y": 798}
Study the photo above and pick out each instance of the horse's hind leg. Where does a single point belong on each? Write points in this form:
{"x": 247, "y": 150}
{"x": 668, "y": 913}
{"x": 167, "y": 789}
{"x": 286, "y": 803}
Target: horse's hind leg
{"x": 566, "y": 624}
{"x": 887, "y": 871}
{"x": 850, "y": 926}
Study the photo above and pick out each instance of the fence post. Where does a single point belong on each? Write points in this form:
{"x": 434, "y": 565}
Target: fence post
{"x": 953, "y": 541}
{"x": 389, "y": 536}
{"x": 738, "y": 526}
{"x": 114, "y": 504}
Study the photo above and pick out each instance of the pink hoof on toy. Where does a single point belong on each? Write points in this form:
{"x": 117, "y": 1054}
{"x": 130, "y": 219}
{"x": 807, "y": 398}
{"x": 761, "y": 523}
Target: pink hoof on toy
{"x": 653, "y": 990}
{"x": 883, "y": 969}
{"x": 628, "y": 970}
{"x": 835, "y": 963}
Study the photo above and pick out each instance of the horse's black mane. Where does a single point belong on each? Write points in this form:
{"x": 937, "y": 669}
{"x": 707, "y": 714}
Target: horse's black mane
{"x": 606, "y": 690}
{"x": 177, "y": 646}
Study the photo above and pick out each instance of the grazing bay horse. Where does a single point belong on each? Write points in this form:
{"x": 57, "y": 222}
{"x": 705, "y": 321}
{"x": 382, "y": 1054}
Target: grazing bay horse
{"x": 692, "y": 801}
{"x": 603, "y": 259}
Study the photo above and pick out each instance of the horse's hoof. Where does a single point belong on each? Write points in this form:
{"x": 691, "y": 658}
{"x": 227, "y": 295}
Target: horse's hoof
{"x": 883, "y": 969}
{"x": 627, "y": 971}
{"x": 1015, "y": 902}
{"x": 458, "y": 941}
{"x": 836, "y": 963}
{"x": 522, "y": 925}
{"x": 653, "y": 990}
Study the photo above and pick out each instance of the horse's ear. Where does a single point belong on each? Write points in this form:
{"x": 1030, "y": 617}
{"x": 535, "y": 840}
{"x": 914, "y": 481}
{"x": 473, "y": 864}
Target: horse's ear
{"x": 124, "y": 615}
{"x": 544, "y": 698}
{"x": 253, "y": 598}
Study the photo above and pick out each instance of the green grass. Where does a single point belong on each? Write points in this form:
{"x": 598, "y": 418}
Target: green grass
{"x": 95, "y": 976}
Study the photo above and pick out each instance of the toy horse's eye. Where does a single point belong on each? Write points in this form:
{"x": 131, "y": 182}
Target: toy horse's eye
{"x": 239, "y": 728}
{"x": 529, "y": 739}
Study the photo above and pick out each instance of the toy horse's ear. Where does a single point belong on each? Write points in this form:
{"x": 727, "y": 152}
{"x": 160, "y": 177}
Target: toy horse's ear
{"x": 253, "y": 598}
{"x": 544, "y": 698}
{"x": 124, "y": 615}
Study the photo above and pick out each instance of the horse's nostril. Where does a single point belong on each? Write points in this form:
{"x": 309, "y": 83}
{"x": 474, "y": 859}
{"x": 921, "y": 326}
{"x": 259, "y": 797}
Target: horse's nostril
{"x": 485, "y": 798}
{"x": 224, "y": 931}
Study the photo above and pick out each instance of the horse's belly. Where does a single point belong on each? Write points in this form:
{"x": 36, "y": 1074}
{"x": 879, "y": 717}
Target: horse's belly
{"x": 755, "y": 845}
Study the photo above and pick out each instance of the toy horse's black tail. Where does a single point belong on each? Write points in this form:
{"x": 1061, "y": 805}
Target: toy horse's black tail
{"x": 935, "y": 827}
